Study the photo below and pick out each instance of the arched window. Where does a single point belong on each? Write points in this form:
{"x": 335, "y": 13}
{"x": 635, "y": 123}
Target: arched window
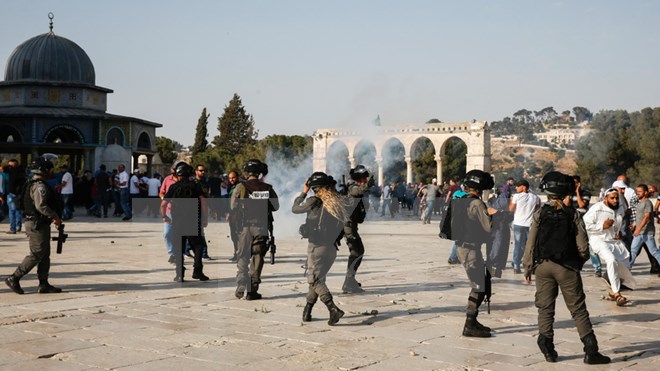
{"x": 115, "y": 136}
{"x": 144, "y": 141}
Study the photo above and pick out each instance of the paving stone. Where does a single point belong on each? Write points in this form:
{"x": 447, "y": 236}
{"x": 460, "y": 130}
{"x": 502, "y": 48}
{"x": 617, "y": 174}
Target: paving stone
{"x": 120, "y": 310}
{"x": 110, "y": 357}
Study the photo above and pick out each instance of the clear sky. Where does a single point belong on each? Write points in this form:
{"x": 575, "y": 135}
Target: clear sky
{"x": 303, "y": 65}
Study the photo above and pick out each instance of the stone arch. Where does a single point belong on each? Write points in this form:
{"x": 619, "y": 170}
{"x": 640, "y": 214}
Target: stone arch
{"x": 115, "y": 135}
{"x": 365, "y": 154}
{"x": 453, "y": 155}
{"x": 392, "y": 162}
{"x": 144, "y": 141}
{"x": 338, "y": 156}
{"x": 475, "y": 134}
{"x": 422, "y": 160}
{"x": 9, "y": 134}
{"x": 64, "y": 134}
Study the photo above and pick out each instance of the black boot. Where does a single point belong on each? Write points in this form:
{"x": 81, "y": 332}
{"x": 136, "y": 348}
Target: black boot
{"x": 471, "y": 328}
{"x": 655, "y": 268}
{"x": 47, "y": 288}
{"x": 307, "y": 312}
{"x": 12, "y": 283}
{"x": 199, "y": 275}
{"x": 591, "y": 355}
{"x": 482, "y": 327}
{"x": 547, "y": 347}
{"x": 335, "y": 313}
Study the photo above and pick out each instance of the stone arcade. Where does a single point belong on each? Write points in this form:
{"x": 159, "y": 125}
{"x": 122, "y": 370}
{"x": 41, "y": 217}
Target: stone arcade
{"x": 476, "y": 135}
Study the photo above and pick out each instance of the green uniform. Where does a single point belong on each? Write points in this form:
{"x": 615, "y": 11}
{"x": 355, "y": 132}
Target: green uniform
{"x": 41, "y": 207}
{"x": 254, "y": 202}
{"x": 552, "y": 276}
{"x": 322, "y": 247}
{"x": 471, "y": 226}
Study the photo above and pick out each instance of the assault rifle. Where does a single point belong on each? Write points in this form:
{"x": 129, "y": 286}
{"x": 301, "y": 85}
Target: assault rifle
{"x": 271, "y": 239}
{"x": 61, "y": 238}
{"x": 271, "y": 244}
{"x": 343, "y": 188}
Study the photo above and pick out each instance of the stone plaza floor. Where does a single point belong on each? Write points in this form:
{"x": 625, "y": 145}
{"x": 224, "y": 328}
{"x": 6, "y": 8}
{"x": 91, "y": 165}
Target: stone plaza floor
{"x": 120, "y": 309}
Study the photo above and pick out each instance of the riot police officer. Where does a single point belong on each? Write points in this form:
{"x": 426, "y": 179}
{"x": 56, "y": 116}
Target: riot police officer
{"x": 41, "y": 207}
{"x": 471, "y": 225}
{"x": 254, "y": 201}
{"x": 326, "y": 215}
{"x": 556, "y": 250}
{"x": 356, "y": 189}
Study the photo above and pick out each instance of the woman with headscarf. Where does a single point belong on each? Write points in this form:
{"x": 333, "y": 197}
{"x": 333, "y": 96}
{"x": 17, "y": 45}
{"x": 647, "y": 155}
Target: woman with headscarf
{"x": 326, "y": 215}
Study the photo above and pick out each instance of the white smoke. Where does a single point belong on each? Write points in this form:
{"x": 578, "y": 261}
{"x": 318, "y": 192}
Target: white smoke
{"x": 287, "y": 181}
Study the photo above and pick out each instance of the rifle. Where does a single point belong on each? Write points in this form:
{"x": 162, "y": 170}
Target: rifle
{"x": 61, "y": 238}
{"x": 342, "y": 185}
{"x": 271, "y": 243}
{"x": 488, "y": 288}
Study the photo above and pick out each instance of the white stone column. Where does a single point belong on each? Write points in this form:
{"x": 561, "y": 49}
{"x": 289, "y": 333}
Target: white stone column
{"x": 409, "y": 174}
{"x": 379, "y": 163}
{"x": 438, "y": 168}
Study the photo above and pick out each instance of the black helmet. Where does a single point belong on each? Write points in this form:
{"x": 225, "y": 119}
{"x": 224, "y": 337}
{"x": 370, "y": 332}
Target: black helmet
{"x": 183, "y": 170}
{"x": 320, "y": 179}
{"x": 477, "y": 179}
{"x": 255, "y": 167}
{"x": 557, "y": 184}
{"x": 41, "y": 166}
{"x": 360, "y": 172}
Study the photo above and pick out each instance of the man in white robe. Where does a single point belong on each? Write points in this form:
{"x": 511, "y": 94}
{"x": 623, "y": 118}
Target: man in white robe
{"x": 604, "y": 222}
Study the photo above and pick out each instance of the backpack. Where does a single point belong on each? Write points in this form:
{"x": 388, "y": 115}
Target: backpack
{"x": 22, "y": 190}
{"x": 555, "y": 239}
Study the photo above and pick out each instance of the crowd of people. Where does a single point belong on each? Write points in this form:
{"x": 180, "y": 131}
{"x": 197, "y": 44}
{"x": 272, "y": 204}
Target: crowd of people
{"x": 552, "y": 239}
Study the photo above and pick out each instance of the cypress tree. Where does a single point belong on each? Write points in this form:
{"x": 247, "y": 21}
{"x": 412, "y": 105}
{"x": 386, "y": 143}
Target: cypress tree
{"x": 201, "y": 133}
{"x": 236, "y": 129}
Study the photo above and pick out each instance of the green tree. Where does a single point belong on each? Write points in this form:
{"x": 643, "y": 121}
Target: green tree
{"x": 288, "y": 150}
{"x": 610, "y": 148}
{"x": 455, "y": 160}
{"x": 582, "y": 114}
{"x": 201, "y": 133}
{"x": 236, "y": 127}
{"x": 167, "y": 149}
{"x": 423, "y": 163}
{"x": 523, "y": 115}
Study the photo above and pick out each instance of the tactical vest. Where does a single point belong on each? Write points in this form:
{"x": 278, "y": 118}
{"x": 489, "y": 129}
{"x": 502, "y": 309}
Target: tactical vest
{"x": 321, "y": 226}
{"x": 26, "y": 202}
{"x": 555, "y": 239}
{"x": 255, "y": 208}
{"x": 464, "y": 229}
{"x": 358, "y": 206}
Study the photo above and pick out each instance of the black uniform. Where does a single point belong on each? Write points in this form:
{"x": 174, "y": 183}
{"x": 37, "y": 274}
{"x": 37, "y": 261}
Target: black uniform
{"x": 185, "y": 199}
{"x": 359, "y": 206}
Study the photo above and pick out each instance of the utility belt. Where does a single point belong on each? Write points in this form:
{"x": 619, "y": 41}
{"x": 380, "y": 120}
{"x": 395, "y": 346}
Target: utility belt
{"x": 37, "y": 219}
{"x": 255, "y": 223}
{"x": 469, "y": 245}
